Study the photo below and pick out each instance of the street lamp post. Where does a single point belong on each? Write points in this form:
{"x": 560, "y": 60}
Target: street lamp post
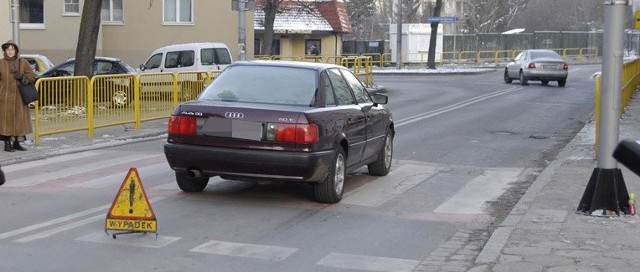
{"x": 606, "y": 189}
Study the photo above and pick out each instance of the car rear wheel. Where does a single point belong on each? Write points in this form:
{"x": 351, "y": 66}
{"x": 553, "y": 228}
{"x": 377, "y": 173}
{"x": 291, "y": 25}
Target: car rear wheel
{"x": 562, "y": 82}
{"x": 330, "y": 190}
{"x": 523, "y": 80}
{"x": 191, "y": 184}
{"x": 382, "y": 165}
{"x": 507, "y": 79}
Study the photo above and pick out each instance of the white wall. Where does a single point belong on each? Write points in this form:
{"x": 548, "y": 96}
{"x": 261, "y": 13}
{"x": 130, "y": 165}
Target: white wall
{"x": 415, "y": 42}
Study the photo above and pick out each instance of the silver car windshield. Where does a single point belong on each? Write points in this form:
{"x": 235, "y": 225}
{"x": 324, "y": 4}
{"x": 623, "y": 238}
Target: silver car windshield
{"x": 264, "y": 84}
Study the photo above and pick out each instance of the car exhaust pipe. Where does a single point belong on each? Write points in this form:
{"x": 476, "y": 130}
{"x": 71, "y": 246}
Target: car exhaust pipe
{"x": 194, "y": 173}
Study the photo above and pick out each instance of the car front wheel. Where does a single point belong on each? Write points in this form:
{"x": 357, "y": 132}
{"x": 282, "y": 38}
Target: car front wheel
{"x": 330, "y": 190}
{"x": 191, "y": 184}
{"x": 382, "y": 165}
{"x": 507, "y": 79}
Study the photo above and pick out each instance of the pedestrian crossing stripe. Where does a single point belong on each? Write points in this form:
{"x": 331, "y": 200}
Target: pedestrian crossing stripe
{"x": 131, "y": 210}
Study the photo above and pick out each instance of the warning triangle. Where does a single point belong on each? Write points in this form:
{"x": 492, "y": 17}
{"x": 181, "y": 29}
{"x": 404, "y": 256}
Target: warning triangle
{"x": 131, "y": 201}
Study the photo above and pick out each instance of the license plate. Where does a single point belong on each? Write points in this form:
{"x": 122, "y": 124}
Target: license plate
{"x": 232, "y": 128}
{"x": 550, "y": 66}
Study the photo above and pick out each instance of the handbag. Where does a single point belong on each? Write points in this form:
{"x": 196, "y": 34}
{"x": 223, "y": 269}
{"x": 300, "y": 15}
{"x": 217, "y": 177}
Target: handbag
{"x": 28, "y": 91}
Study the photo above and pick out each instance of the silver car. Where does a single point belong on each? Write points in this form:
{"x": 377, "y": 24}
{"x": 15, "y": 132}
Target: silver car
{"x": 537, "y": 64}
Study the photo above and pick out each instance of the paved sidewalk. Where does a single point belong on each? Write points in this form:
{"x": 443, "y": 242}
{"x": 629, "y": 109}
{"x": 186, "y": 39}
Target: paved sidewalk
{"x": 543, "y": 232}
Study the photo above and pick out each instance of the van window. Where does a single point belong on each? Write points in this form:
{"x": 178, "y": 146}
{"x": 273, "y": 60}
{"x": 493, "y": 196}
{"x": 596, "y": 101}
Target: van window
{"x": 179, "y": 59}
{"x": 207, "y": 56}
{"x": 154, "y": 61}
{"x": 222, "y": 56}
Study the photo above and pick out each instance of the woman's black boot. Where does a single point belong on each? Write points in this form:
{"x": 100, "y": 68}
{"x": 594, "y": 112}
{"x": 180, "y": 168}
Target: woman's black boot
{"x": 8, "y": 147}
{"x": 17, "y": 146}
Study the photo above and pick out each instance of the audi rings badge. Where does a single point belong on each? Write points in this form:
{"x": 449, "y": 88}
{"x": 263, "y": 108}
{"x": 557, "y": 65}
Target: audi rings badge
{"x": 234, "y": 115}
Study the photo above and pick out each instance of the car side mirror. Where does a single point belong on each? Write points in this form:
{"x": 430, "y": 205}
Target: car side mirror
{"x": 142, "y": 67}
{"x": 380, "y": 98}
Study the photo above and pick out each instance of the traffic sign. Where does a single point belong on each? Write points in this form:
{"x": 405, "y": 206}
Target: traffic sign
{"x": 442, "y": 19}
{"x": 131, "y": 210}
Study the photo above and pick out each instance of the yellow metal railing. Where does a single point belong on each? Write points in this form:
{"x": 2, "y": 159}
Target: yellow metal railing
{"x": 78, "y": 103}
{"x": 630, "y": 83}
{"x": 497, "y": 56}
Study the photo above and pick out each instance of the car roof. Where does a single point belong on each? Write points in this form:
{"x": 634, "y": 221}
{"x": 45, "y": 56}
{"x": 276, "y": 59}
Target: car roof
{"x": 282, "y": 63}
{"x": 191, "y": 45}
{"x": 100, "y": 58}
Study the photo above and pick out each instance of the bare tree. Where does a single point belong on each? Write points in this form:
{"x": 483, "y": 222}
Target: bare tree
{"x": 270, "y": 9}
{"x": 88, "y": 38}
{"x": 431, "y": 57}
{"x": 490, "y": 16}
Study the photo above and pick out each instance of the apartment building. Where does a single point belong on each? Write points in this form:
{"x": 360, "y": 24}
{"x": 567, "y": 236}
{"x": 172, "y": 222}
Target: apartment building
{"x": 132, "y": 29}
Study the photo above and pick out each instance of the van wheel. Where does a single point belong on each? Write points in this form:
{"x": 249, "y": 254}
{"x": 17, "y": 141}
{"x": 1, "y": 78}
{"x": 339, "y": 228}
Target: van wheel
{"x": 330, "y": 190}
{"x": 562, "y": 82}
{"x": 189, "y": 184}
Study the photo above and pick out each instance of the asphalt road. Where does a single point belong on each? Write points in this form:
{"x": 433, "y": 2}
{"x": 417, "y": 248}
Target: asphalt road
{"x": 466, "y": 148}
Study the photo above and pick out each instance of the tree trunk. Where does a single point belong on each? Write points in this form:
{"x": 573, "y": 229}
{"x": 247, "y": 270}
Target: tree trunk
{"x": 88, "y": 38}
{"x": 270, "y": 9}
{"x": 431, "y": 58}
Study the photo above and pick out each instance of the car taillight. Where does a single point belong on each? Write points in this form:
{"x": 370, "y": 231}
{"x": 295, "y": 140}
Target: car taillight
{"x": 565, "y": 67}
{"x": 532, "y": 65}
{"x": 182, "y": 125}
{"x": 293, "y": 133}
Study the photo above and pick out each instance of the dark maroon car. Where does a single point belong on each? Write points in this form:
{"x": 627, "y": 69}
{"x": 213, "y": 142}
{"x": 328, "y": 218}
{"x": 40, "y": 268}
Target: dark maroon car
{"x": 281, "y": 121}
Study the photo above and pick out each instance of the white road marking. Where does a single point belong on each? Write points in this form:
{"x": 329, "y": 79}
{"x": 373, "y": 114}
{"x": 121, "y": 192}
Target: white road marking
{"x": 382, "y": 189}
{"x": 139, "y": 240}
{"x": 473, "y": 100}
{"x": 57, "y": 159}
{"x": 45, "y": 234}
{"x": 270, "y": 253}
{"x": 117, "y": 179}
{"x": 471, "y": 198}
{"x": 368, "y": 263}
{"x": 50, "y": 176}
{"x": 52, "y": 222}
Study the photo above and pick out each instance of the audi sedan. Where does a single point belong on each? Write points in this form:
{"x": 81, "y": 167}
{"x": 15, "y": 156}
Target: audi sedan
{"x": 281, "y": 121}
{"x": 538, "y": 64}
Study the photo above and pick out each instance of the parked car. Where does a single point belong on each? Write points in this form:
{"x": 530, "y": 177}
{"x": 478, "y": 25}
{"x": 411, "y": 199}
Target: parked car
{"x": 39, "y": 63}
{"x": 537, "y": 64}
{"x": 281, "y": 121}
{"x": 118, "y": 92}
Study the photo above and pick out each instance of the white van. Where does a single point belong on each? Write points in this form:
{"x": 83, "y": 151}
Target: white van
{"x": 205, "y": 56}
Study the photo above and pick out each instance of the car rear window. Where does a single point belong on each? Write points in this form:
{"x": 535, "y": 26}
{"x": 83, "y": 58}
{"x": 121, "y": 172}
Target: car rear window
{"x": 545, "y": 54}
{"x": 264, "y": 84}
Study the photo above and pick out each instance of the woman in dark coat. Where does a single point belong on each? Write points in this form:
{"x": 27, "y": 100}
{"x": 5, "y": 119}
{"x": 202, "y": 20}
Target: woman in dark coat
{"x": 15, "y": 122}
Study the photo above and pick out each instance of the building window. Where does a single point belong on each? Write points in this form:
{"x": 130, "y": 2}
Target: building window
{"x": 31, "y": 14}
{"x": 112, "y": 11}
{"x": 178, "y": 11}
{"x": 71, "y": 7}
{"x": 313, "y": 47}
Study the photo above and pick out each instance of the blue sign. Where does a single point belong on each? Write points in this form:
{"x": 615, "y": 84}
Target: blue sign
{"x": 442, "y": 19}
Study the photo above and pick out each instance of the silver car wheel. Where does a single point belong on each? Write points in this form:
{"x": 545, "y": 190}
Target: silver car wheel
{"x": 339, "y": 174}
{"x": 119, "y": 98}
{"x": 388, "y": 152}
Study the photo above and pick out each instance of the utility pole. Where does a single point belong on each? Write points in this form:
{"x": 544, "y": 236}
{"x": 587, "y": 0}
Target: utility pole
{"x": 241, "y": 30}
{"x": 606, "y": 189}
{"x": 15, "y": 20}
{"x": 399, "y": 35}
